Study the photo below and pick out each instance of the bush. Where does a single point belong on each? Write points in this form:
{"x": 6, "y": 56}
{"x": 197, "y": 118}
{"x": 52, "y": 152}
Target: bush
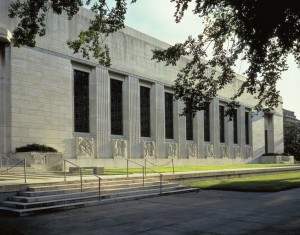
{"x": 36, "y": 148}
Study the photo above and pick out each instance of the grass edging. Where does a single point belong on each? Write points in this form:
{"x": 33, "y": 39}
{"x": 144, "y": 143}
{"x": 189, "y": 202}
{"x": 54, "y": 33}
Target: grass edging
{"x": 266, "y": 183}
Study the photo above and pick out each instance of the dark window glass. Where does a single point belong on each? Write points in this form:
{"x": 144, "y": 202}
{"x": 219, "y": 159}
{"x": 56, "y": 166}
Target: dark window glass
{"x": 222, "y": 123}
{"x": 81, "y": 101}
{"x": 189, "y": 126}
{"x": 235, "y": 127}
{"x": 206, "y": 123}
{"x": 145, "y": 111}
{"x": 116, "y": 103}
{"x": 169, "y": 115}
{"x": 247, "y": 128}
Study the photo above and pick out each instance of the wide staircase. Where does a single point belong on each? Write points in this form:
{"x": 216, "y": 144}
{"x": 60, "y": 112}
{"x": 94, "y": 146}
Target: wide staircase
{"x": 53, "y": 196}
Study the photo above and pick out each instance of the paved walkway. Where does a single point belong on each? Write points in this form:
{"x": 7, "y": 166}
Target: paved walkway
{"x": 205, "y": 212}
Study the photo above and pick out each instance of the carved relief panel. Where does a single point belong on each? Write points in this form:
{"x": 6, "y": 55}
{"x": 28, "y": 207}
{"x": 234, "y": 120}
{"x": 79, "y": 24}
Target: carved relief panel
{"x": 192, "y": 150}
{"x": 172, "y": 149}
{"x": 85, "y": 147}
{"x": 223, "y": 151}
{"x": 249, "y": 152}
{"x": 236, "y": 151}
{"x": 209, "y": 151}
{"x": 119, "y": 148}
{"x": 38, "y": 158}
{"x": 148, "y": 148}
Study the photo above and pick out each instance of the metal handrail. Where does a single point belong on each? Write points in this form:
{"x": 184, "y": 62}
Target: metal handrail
{"x": 24, "y": 166}
{"x": 1, "y": 159}
{"x": 144, "y": 169}
{"x": 80, "y": 171}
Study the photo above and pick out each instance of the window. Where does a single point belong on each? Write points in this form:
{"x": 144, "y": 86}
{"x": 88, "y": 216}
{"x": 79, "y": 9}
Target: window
{"x": 81, "y": 101}
{"x": 145, "y": 111}
{"x": 189, "y": 126}
{"x": 222, "y": 123}
{"x": 116, "y": 103}
{"x": 169, "y": 116}
{"x": 235, "y": 127}
{"x": 247, "y": 127}
{"x": 206, "y": 123}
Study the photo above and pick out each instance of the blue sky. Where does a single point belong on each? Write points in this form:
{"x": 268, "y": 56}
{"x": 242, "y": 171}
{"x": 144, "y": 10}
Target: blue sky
{"x": 155, "y": 18}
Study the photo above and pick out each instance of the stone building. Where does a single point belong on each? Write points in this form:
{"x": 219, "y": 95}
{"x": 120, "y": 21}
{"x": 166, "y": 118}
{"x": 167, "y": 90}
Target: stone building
{"x": 289, "y": 117}
{"x": 100, "y": 116}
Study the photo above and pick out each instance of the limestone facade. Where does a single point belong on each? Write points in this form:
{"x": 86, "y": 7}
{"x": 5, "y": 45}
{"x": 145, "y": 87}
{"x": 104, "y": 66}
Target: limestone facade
{"x": 37, "y": 103}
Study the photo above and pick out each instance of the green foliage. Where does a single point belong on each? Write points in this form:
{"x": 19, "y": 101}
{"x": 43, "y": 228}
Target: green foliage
{"x": 265, "y": 183}
{"x": 292, "y": 139}
{"x": 36, "y": 148}
{"x": 233, "y": 30}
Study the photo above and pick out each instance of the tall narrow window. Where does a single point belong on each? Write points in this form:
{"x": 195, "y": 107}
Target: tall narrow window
{"x": 81, "y": 101}
{"x": 235, "y": 127}
{"x": 169, "y": 116}
{"x": 222, "y": 123}
{"x": 145, "y": 111}
{"x": 189, "y": 126}
{"x": 206, "y": 123}
{"x": 247, "y": 127}
{"x": 116, "y": 104}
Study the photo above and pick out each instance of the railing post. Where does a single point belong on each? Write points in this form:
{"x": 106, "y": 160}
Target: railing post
{"x": 80, "y": 179}
{"x": 99, "y": 188}
{"x": 25, "y": 176}
{"x": 145, "y": 167}
{"x": 160, "y": 186}
{"x": 143, "y": 176}
{"x": 127, "y": 168}
{"x": 65, "y": 173}
{"x": 173, "y": 166}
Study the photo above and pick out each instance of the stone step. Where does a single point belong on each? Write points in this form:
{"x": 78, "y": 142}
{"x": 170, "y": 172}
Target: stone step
{"x": 90, "y": 184}
{"x": 30, "y": 211}
{"x": 82, "y": 198}
{"x": 32, "y": 196}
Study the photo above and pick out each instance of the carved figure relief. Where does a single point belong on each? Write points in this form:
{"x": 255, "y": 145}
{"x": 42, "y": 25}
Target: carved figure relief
{"x": 172, "y": 149}
{"x": 119, "y": 148}
{"x": 149, "y": 148}
{"x": 249, "y": 152}
{"x": 210, "y": 152}
{"x": 223, "y": 151}
{"x": 192, "y": 150}
{"x": 39, "y": 159}
{"x": 236, "y": 152}
{"x": 85, "y": 147}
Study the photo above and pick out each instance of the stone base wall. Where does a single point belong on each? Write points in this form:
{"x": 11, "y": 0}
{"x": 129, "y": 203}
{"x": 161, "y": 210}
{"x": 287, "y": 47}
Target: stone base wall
{"x": 276, "y": 159}
{"x": 40, "y": 161}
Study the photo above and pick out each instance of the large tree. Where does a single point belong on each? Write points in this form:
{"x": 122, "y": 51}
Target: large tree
{"x": 292, "y": 139}
{"x": 261, "y": 32}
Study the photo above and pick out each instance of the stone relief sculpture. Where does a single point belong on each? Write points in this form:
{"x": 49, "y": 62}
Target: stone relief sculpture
{"x": 119, "y": 148}
{"x": 148, "y": 148}
{"x": 249, "y": 152}
{"x": 210, "y": 152}
{"x": 192, "y": 150}
{"x": 39, "y": 158}
{"x": 172, "y": 149}
{"x": 85, "y": 147}
{"x": 223, "y": 151}
{"x": 236, "y": 152}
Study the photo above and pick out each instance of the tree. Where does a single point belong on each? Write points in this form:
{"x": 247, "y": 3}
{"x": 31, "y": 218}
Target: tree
{"x": 262, "y": 32}
{"x": 292, "y": 139}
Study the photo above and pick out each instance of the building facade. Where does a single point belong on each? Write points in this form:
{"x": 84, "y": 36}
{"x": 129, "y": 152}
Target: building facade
{"x": 100, "y": 116}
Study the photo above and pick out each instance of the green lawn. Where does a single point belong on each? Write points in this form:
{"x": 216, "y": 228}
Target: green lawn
{"x": 191, "y": 168}
{"x": 266, "y": 183}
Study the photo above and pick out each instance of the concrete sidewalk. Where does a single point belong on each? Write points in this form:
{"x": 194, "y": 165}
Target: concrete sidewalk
{"x": 205, "y": 212}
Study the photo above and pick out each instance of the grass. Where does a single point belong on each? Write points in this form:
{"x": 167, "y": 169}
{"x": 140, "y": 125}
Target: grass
{"x": 266, "y": 183}
{"x": 190, "y": 168}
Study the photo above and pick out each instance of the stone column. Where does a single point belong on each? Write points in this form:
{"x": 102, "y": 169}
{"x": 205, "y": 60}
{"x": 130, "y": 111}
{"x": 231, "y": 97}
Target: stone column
{"x": 215, "y": 127}
{"x": 103, "y": 97}
{"x": 160, "y": 121}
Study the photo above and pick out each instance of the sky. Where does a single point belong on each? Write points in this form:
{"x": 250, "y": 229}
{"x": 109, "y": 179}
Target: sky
{"x": 155, "y": 18}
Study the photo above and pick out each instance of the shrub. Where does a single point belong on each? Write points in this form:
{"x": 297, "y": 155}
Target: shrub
{"x": 36, "y": 148}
